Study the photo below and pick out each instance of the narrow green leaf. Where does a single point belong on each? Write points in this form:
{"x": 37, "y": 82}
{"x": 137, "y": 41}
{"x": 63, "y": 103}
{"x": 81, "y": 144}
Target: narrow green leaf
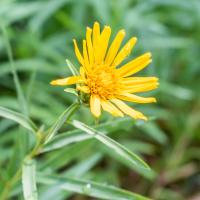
{"x": 65, "y": 139}
{"x": 19, "y": 118}
{"x": 61, "y": 120}
{"x": 72, "y": 91}
{"x": 72, "y": 68}
{"x": 90, "y": 188}
{"x": 112, "y": 145}
{"x": 77, "y": 135}
{"x": 29, "y": 180}
{"x": 148, "y": 174}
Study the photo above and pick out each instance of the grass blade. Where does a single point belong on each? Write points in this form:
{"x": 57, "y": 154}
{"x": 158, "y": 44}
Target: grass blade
{"x": 19, "y": 118}
{"x": 89, "y": 188}
{"x": 29, "y": 180}
{"x": 20, "y": 94}
{"x": 123, "y": 152}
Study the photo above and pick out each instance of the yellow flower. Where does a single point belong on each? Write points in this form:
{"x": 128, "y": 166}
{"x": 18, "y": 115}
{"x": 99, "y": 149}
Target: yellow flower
{"x": 106, "y": 84}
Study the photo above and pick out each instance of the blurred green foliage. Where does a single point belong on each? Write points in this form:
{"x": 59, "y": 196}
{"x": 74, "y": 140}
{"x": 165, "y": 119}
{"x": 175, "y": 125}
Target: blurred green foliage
{"x": 40, "y": 34}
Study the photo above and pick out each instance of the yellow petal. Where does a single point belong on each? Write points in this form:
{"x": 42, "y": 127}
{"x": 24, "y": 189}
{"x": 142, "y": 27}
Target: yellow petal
{"x": 84, "y": 89}
{"x": 67, "y": 81}
{"x": 95, "y": 106}
{"x": 109, "y": 107}
{"x": 135, "y": 98}
{"x": 78, "y": 54}
{"x": 89, "y": 45}
{"x": 141, "y": 87}
{"x": 138, "y": 80}
{"x": 125, "y": 51}
{"x": 82, "y": 72}
{"x": 115, "y": 47}
{"x": 128, "y": 110}
{"x": 96, "y": 37}
{"x": 135, "y": 65}
{"x": 104, "y": 39}
{"x": 85, "y": 55}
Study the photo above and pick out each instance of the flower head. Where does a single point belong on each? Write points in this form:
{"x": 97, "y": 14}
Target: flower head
{"x": 100, "y": 77}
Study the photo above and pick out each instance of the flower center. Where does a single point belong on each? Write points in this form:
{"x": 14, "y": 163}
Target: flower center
{"x": 102, "y": 81}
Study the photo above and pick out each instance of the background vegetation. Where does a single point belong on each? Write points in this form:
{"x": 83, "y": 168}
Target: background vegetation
{"x": 40, "y": 34}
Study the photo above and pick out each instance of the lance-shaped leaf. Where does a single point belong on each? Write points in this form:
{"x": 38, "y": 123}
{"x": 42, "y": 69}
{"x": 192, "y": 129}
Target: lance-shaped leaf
{"x": 61, "y": 120}
{"x": 29, "y": 179}
{"x": 69, "y": 137}
{"x": 120, "y": 150}
{"x": 72, "y": 91}
{"x": 19, "y": 118}
{"x": 72, "y": 68}
{"x": 90, "y": 188}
